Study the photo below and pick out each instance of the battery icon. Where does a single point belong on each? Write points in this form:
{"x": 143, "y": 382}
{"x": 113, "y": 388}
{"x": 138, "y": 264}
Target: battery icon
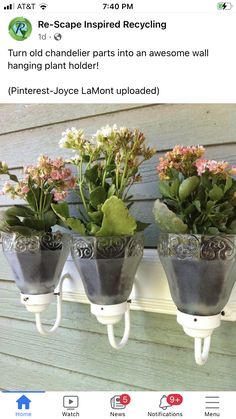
{"x": 224, "y": 6}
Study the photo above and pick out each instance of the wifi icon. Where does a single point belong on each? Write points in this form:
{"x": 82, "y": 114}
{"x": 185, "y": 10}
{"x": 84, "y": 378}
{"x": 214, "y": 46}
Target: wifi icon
{"x": 43, "y": 6}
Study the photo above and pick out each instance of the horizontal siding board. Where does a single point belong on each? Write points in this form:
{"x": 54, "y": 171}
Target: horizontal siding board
{"x": 24, "y": 375}
{"x": 35, "y": 115}
{"x": 148, "y": 365}
{"x": 164, "y": 126}
{"x": 146, "y": 327}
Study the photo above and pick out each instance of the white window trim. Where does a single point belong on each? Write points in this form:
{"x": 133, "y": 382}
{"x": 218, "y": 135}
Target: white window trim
{"x": 150, "y": 291}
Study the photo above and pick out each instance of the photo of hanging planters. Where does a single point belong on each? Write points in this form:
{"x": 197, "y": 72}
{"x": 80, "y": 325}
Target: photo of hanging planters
{"x": 34, "y": 251}
{"x": 109, "y": 244}
{"x": 197, "y": 219}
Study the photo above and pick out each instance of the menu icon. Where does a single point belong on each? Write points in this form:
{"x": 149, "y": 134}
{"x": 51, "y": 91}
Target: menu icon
{"x": 212, "y": 403}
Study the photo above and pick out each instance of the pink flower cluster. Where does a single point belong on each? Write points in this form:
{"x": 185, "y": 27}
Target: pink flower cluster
{"x": 189, "y": 161}
{"x": 213, "y": 166}
{"x": 51, "y": 176}
{"x": 180, "y": 158}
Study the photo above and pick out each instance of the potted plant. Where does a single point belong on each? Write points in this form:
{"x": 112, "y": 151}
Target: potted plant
{"x": 197, "y": 219}
{"x": 108, "y": 246}
{"x": 34, "y": 251}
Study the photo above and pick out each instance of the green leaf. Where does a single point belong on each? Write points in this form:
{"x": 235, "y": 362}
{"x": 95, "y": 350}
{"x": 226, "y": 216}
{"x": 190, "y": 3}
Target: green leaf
{"x": 92, "y": 174}
{"x": 205, "y": 182}
{"x": 197, "y": 204}
{"x": 96, "y": 216}
{"x": 33, "y": 197}
{"x": 171, "y": 204}
{"x": 116, "y": 220}
{"x": 167, "y": 219}
{"x": 110, "y": 168}
{"x": 11, "y": 220}
{"x": 85, "y": 158}
{"x": 188, "y": 186}
{"x": 111, "y": 191}
{"x": 216, "y": 193}
{"x": 212, "y": 230}
{"x": 165, "y": 189}
{"x": 76, "y": 225}
{"x": 233, "y": 227}
{"x": 34, "y": 224}
{"x": 98, "y": 196}
{"x": 93, "y": 228}
{"x": 61, "y": 210}
{"x": 174, "y": 189}
{"x": 14, "y": 178}
{"x": 190, "y": 208}
{"x": 50, "y": 219}
{"x": 210, "y": 205}
{"x": 3, "y": 224}
{"x": 19, "y": 211}
{"x": 48, "y": 202}
{"x": 228, "y": 184}
{"x": 24, "y": 231}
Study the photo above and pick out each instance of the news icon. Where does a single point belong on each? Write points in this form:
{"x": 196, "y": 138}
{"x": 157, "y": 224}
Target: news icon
{"x": 116, "y": 403}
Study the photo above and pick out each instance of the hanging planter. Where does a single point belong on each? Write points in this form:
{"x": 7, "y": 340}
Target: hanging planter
{"x": 107, "y": 267}
{"x": 108, "y": 249}
{"x": 37, "y": 263}
{"x": 201, "y": 275}
{"x": 196, "y": 245}
{"x": 35, "y": 253}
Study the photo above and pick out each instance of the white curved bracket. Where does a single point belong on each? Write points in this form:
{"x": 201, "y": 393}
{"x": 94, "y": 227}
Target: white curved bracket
{"x": 39, "y": 325}
{"x": 202, "y": 351}
{"x": 124, "y": 340}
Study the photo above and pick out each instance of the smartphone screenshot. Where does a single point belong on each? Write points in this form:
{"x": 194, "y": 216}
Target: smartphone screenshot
{"x": 117, "y": 209}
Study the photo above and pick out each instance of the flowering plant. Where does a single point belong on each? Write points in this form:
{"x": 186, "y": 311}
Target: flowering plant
{"x": 43, "y": 184}
{"x": 197, "y": 195}
{"x": 107, "y": 166}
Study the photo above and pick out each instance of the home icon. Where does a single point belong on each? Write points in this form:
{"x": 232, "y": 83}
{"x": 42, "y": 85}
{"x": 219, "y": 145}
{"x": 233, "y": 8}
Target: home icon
{"x": 23, "y": 401}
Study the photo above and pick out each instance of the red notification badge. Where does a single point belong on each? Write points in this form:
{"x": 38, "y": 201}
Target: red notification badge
{"x": 174, "y": 399}
{"x": 125, "y": 399}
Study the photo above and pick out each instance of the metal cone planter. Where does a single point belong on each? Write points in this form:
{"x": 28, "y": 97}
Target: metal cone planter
{"x": 107, "y": 266}
{"x": 201, "y": 272}
{"x": 37, "y": 263}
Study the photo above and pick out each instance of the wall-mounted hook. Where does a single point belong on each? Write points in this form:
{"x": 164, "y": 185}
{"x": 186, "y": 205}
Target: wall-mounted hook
{"x": 110, "y": 315}
{"x": 38, "y": 303}
{"x": 200, "y": 328}
{"x": 201, "y": 349}
{"x": 124, "y": 340}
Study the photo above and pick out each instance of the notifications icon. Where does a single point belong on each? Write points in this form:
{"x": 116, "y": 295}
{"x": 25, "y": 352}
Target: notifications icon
{"x": 170, "y": 400}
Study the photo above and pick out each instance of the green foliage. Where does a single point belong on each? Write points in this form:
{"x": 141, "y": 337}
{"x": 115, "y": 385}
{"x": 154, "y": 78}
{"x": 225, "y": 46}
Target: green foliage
{"x": 107, "y": 167}
{"x": 203, "y": 203}
{"x": 97, "y": 196}
{"x": 188, "y": 186}
{"x": 167, "y": 220}
{"x": 62, "y": 211}
{"x": 116, "y": 220}
{"x": 22, "y": 220}
{"x": 43, "y": 184}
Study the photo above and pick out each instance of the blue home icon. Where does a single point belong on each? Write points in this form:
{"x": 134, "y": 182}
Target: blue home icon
{"x": 23, "y": 401}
